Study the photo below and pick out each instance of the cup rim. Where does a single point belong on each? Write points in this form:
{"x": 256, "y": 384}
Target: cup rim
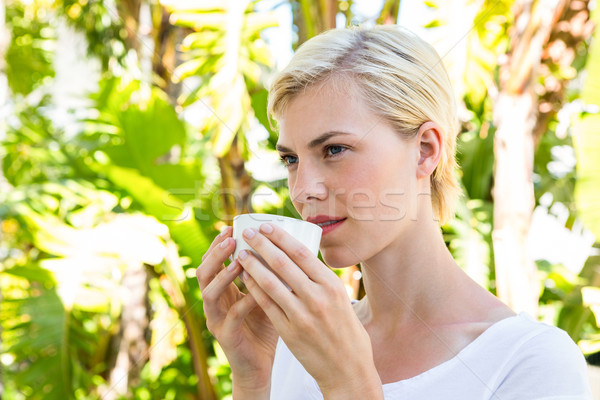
{"x": 283, "y": 217}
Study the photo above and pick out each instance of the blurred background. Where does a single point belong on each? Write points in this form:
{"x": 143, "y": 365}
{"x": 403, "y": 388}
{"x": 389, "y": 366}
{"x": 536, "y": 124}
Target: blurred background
{"x": 132, "y": 131}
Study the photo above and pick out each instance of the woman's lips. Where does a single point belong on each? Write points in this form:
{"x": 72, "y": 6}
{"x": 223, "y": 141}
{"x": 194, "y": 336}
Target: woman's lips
{"x": 327, "y": 223}
{"x": 328, "y": 227}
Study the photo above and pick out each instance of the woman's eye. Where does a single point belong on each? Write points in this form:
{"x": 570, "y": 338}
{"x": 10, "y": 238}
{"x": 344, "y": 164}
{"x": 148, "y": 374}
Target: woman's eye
{"x": 334, "y": 150}
{"x": 289, "y": 160}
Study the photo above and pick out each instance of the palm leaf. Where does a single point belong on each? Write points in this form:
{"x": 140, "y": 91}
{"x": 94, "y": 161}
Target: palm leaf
{"x": 35, "y": 332}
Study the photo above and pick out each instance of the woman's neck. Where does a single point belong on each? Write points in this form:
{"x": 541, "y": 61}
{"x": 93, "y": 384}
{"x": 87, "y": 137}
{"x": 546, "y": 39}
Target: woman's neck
{"x": 410, "y": 279}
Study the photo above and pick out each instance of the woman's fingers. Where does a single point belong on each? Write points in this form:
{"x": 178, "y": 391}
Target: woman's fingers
{"x": 238, "y": 312}
{"x": 213, "y": 262}
{"x": 220, "y": 283}
{"x": 260, "y": 281}
{"x": 278, "y": 261}
{"x": 296, "y": 251}
{"x": 225, "y": 233}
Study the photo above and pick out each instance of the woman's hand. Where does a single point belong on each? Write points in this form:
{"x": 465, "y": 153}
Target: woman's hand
{"x": 314, "y": 317}
{"x": 241, "y": 327}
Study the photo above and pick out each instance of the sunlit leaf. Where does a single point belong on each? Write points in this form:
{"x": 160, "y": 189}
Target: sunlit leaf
{"x": 194, "y": 5}
{"x": 202, "y": 40}
{"x": 167, "y": 208}
{"x": 197, "y": 21}
{"x": 257, "y": 22}
{"x": 197, "y": 66}
{"x": 433, "y": 24}
{"x": 228, "y": 116}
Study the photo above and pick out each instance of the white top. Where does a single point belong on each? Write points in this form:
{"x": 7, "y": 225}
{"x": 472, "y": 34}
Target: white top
{"x": 515, "y": 358}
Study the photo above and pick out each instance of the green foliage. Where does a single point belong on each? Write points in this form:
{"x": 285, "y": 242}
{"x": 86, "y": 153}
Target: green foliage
{"x": 488, "y": 41}
{"x": 29, "y": 55}
{"x": 475, "y": 152}
{"x": 469, "y": 239}
{"x": 34, "y": 151}
{"x": 560, "y": 183}
{"x": 101, "y": 24}
{"x": 228, "y": 55}
{"x": 82, "y": 208}
{"x": 145, "y": 156}
{"x": 573, "y": 302}
{"x": 36, "y": 326}
{"x": 587, "y": 141}
{"x": 588, "y": 171}
{"x": 50, "y": 318}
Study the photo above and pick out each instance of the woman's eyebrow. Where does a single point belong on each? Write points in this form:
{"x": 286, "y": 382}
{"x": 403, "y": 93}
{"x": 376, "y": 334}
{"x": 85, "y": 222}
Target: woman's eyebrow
{"x": 315, "y": 142}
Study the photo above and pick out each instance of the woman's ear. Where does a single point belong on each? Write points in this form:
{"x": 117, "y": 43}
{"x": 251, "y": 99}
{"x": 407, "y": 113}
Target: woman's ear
{"x": 429, "y": 139}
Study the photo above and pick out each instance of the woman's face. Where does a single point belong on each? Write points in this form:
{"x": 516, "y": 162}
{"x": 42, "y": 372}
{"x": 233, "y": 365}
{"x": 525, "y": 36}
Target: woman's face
{"x": 347, "y": 164}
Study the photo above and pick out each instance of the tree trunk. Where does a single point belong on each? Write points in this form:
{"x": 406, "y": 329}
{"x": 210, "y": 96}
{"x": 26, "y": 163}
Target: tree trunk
{"x": 515, "y": 114}
{"x": 571, "y": 29}
{"x": 516, "y": 280}
{"x": 129, "y": 12}
{"x": 329, "y": 9}
{"x": 131, "y": 344}
{"x": 389, "y": 12}
{"x": 193, "y": 324}
{"x": 236, "y": 184}
{"x": 176, "y": 288}
{"x": 314, "y": 17}
{"x": 166, "y": 57}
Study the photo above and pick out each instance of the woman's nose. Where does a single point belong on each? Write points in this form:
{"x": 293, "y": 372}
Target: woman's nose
{"x": 308, "y": 184}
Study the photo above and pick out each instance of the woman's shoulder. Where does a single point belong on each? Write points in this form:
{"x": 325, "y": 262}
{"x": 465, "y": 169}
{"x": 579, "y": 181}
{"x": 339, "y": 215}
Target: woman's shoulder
{"x": 523, "y": 332}
{"x": 525, "y": 348}
{"x": 515, "y": 358}
{"x": 535, "y": 339}
{"x": 542, "y": 356}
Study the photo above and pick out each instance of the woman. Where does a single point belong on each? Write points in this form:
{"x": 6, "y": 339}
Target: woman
{"x": 368, "y": 127}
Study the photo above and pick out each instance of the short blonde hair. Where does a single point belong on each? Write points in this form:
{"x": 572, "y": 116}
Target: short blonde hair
{"x": 402, "y": 79}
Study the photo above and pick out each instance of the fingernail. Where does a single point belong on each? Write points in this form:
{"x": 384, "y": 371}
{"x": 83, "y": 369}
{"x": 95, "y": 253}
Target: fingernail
{"x": 224, "y": 243}
{"x": 245, "y": 276}
{"x": 243, "y": 254}
{"x": 266, "y": 228}
{"x": 249, "y": 233}
{"x": 233, "y": 265}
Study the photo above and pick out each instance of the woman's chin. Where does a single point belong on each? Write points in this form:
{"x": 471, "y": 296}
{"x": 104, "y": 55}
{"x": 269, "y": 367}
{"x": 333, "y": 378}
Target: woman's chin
{"x": 336, "y": 259}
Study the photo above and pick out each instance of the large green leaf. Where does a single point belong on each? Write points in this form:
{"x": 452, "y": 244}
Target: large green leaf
{"x": 586, "y": 140}
{"x": 148, "y": 137}
{"x": 150, "y": 128}
{"x": 35, "y": 333}
{"x": 475, "y": 155}
{"x": 165, "y": 207}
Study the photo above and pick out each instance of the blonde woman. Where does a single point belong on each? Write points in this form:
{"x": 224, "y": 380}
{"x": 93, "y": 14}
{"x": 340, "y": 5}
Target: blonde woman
{"x": 367, "y": 130}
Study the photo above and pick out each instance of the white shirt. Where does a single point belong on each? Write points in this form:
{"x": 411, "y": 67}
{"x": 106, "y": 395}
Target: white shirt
{"x": 515, "y": 358}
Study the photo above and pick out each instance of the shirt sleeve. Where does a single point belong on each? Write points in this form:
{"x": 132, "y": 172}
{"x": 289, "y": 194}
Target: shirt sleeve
{"x": 548, "y": 366}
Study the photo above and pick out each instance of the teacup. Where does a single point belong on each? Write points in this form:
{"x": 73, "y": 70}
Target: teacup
{"x": 306, "y": 232}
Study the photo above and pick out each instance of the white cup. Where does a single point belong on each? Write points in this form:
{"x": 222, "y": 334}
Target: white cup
{"x": 306, "y": 232}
